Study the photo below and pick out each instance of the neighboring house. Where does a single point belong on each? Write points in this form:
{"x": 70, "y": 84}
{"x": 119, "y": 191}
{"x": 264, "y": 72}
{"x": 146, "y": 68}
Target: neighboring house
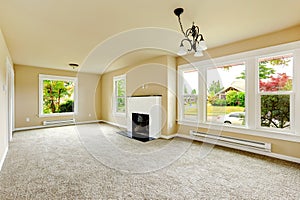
{"x": 237, "y": 85}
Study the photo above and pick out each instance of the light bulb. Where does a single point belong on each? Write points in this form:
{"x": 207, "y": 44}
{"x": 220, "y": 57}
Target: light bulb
{"x": 202, "y": 45}
{"x": 181, "y": 51}
{"x": 198, "y": 53}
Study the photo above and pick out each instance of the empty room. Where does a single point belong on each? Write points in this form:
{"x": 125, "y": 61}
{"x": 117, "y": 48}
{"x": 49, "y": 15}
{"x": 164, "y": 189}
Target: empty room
{"x": 194, "y": 99}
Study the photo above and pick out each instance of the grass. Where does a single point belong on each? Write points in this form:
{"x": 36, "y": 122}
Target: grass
{"x": 214, "y": 110}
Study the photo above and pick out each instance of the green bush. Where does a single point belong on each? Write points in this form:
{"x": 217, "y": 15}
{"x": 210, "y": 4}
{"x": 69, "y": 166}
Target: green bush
{"x": 67, "y": 107}
{"x": 220, "y": 102}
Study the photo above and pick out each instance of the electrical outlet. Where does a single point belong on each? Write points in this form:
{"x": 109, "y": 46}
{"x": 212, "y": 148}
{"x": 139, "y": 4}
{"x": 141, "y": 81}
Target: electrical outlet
{"x": 90, "y": 114}
{"x": 27, "y": 119}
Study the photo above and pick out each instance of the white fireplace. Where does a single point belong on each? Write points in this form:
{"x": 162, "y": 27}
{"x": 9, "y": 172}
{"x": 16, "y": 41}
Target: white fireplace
{"x": 144, "y": 116}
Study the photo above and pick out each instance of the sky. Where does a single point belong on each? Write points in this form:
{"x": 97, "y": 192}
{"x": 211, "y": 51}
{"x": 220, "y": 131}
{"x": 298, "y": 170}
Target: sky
{"x": 226, "y": 77}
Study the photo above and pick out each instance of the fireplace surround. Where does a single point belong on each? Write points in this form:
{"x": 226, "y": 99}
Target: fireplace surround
{"x": 144, "y": 117}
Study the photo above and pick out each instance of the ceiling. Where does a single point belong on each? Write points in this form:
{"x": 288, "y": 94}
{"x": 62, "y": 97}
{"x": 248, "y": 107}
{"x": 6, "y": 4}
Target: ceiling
{"x": 103, "y": 35}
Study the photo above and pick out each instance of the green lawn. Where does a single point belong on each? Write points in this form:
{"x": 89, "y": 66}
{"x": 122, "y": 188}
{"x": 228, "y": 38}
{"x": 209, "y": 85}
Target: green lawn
{"x": 213, "y": 110}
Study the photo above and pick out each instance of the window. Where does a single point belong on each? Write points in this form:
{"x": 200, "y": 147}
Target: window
{"x": 119, "y": 101}
{"x": 251, "y": 92}
{"x": 275, "y": 76}
{"x": 189, "y": 94}
{"x": 58, "y": 95}
{"x": 226, "y": 94}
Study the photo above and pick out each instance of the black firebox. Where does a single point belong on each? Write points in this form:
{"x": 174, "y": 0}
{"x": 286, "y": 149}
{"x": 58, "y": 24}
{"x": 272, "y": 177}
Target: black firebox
{"x": 140, "y": 127}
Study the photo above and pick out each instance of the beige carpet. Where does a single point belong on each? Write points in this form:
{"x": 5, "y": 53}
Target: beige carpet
{"x": 94, "y": 162}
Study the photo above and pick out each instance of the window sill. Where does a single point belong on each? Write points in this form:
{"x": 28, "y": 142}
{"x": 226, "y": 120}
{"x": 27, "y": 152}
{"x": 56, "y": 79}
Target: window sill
{"x": 287, "y": 136}
{"x": 57, "y": 114}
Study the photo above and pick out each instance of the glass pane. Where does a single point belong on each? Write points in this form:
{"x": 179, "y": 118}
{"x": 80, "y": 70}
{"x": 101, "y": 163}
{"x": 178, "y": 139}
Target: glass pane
{"x": 121, "y": 88}
{"x": 190, "y": 107}
{"x": 58, "y": 96}
{"x": 190, "y": 98}
{"x": 121, "y": 104}
{"x": 275, "y": 111}
{"x": 226, "y": 94}
{"x": 276, "y": 73}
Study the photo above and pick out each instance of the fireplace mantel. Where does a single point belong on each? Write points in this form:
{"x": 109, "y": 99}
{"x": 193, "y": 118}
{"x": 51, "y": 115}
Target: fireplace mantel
{"x": 149, "y": 105}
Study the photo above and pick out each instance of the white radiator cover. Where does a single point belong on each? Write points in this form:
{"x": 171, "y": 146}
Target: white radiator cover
{"x": 58, "y": 122}
{"x": 231, "y": 141}
{"x": 150, "y": 105}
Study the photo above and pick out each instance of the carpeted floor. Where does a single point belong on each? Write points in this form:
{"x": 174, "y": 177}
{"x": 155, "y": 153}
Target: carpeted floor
{"x": 94, "y": 162}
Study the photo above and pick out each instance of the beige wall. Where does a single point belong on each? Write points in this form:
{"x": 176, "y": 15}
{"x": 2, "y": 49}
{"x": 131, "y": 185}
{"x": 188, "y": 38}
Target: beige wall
{"x": 288, "y": 35}
{"x": 153, "y": 75}
{"x": 4, "y": 54}
{"x": 27, "y": 95}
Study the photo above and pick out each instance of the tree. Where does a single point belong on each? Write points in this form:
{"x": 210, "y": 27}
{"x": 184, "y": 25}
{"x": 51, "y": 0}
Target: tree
{"x": 54, "y": 92}
{"x": 265, "y": 71}
{"x": 276, "y": 83}
{"x": 185, "y": 90}
{"x": 275, "y": 111}
{"x": 234, "y": 98}
{"x": 215, "y": 87}
{"x": 67, "y": 106}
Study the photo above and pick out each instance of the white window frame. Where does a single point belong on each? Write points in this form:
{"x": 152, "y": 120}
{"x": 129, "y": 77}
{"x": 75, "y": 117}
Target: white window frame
{"x": 290, "y": 93}
{"x": 115, "y": 97}
{"x": 250, "y": 58}
{"x": 43, "y": 77}
{"x": 180, "y": 105}
{"x": 222, "y": 64}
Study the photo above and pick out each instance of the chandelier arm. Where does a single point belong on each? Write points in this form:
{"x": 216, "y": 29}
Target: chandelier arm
{"x": 186, "y": 39}
{"x": 181, "y": 26}
{"x": 188, "y": 32}
{"x": 197, "y": 33}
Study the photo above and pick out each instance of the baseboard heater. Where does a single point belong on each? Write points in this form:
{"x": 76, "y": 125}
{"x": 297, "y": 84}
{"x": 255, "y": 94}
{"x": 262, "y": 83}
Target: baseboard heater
{"x": 231, "y": 141}
{"x": 59, "y": 122}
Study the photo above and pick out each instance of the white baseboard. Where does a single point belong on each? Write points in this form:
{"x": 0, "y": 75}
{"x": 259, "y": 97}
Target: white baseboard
{"x": 54, "y": 125}
{"x": 88, "y": 122}
{"x": 3, "y": 157}
{"x": 114, "y": 124}
{"x": 167, "y": 137}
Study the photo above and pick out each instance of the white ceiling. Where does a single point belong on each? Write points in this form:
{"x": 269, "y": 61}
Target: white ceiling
{"x": 98, "y": 34}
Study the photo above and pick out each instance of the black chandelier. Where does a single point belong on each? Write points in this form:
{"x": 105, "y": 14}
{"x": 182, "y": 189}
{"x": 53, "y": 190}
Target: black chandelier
{"x": 192, "y": 36}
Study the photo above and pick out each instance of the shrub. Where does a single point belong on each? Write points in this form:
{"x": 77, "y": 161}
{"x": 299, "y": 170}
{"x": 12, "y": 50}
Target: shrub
{"x": 67, "y": 107}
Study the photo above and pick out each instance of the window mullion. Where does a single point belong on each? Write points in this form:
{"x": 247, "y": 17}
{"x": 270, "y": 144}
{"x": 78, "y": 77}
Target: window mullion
{"x": 296, "y": 88}
{"x": 251, "y": 96}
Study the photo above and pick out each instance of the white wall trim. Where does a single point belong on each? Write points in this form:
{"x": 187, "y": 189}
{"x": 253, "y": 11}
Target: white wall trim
{"x": 167, "y": 137}
{"x": 114, "y": 124}
{"x": 54, "y": 125}
{"x": 3, "y": 157}
{"x": 89, "y": 122}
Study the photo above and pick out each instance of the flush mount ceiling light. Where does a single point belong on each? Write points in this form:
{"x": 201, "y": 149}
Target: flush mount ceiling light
{"x": 192, "y": 36}
{"x": 73, "y": 65}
